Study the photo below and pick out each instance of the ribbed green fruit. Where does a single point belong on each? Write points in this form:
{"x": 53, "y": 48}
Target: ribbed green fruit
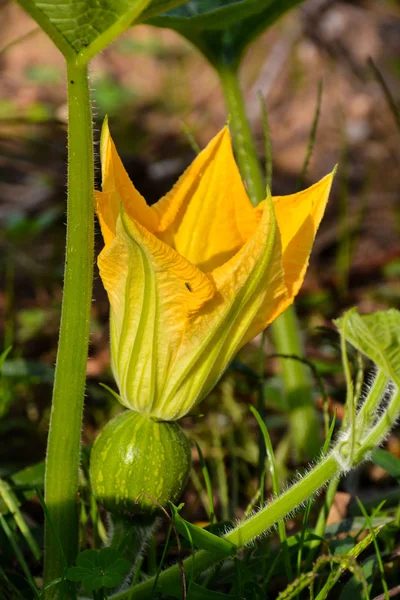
{"x": 135, "y": 455}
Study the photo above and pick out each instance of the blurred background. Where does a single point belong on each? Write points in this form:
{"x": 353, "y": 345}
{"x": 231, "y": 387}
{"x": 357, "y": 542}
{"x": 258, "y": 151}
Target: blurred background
{"x": 155, "y": 88}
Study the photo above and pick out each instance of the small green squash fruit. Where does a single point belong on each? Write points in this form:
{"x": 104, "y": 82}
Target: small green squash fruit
{"x": 134, "y": 455}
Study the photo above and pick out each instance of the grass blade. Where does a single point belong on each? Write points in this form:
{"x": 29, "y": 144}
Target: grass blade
{"x": 311, "y": 139}
{"x": 275, "y": 486}
{"x": 19, "y": 555}
{"x": 207, "y": 481}
{"x": 394, "y": 109}
{"x": 267, "y": 142}
{"x": 12, "y": 504}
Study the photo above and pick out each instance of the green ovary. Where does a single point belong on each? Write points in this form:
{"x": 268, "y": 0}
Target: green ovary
{"x": 137, "y": 464}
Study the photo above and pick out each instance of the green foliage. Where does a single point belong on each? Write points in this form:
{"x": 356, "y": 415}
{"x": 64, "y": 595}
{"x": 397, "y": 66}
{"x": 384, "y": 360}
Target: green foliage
{"x": 377, "y": 336}
{"x": 222, "y": 29}
{"x": 97, "y": 569}
{"x": 84, "y": 28}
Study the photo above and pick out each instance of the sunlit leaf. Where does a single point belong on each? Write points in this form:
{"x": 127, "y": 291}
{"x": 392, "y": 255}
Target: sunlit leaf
{"x": 85, "y": 27}
{"x": 222, "y": 29}
{"x": 378, "y": 337}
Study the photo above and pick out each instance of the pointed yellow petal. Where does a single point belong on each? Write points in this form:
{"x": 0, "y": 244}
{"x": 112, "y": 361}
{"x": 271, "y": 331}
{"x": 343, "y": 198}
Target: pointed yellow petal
{"x": 252, "y": 279}
{"x": 298, "y": 217}
{"x": 207, "y": 216}
{"x": 118, "y": 189}
{"x": 107, "y": 209}
{"x": 153, "y": 291}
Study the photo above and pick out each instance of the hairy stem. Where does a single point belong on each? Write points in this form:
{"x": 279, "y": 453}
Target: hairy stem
{"x": 64, "y": 440}
{"x": 246, "y": 531}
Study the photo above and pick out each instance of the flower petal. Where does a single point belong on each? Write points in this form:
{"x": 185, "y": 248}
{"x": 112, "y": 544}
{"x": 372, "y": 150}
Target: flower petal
{"x": 118, "y": 189}
{"x": 298, "y": 217}
{"x": 251, "y": 280}
{"x": 207, "y": 216}
{"x": 153, "y": 291}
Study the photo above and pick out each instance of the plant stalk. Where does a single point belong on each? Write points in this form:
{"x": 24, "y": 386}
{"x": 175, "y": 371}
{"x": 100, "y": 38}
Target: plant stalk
{"x": 304, "y": 430}
{"x": 64, "y": 439}
{"x": 245, "y": 149}
{"x": 285, "y": 330}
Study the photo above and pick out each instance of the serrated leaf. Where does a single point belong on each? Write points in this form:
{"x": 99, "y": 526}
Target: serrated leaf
{"x": 377, "y": 336}
{"x": 85, "y": 27}
{"x": 222, "y": 29}
{"x": 202, "y": 538}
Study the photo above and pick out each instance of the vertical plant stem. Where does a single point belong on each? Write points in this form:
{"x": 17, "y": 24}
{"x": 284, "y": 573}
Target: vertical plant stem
{"x": 246, "y": 152}
{"x": 285, "y": 330}
{"x": 64, "y": 440}
{"x": 302, "y": 415}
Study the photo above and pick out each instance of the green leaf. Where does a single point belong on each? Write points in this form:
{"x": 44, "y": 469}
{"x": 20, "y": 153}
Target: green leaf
{"x": 97, "y": 569}
{"x": 377, "y": 336}
{"x": 387, "y": 461}
{"x": 202, "y": 538}
{"x": 88, "y": 559}
{"x": 222, "y": 29}
{"x": 29, "y": 476}
{"x": 83, "y": 28}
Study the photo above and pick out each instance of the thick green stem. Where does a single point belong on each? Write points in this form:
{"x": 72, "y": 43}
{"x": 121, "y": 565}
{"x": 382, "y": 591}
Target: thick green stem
{"x": 285, "y": 330}
{"x": 64, "y": 440}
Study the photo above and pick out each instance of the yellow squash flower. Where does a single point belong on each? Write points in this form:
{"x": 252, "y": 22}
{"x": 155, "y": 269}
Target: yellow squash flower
{"x": 194, "y": 277}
